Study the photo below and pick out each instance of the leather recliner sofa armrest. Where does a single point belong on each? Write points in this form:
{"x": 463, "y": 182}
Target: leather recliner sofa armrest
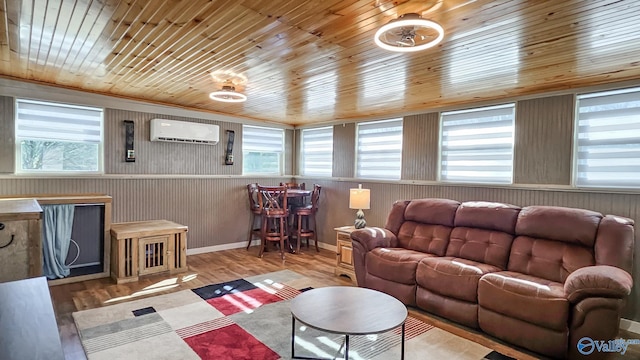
{"x": 374, "y": 237}
{"x": 597, "y": 281}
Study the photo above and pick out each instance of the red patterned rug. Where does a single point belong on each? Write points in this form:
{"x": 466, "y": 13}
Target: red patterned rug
{"x": 245, "y": 319}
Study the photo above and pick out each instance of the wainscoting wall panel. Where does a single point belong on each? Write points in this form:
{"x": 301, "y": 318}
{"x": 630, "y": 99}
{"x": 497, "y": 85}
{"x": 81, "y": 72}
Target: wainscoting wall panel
{"x": 544, "y": 140}
{"x": 214, "y": 209}
{"x": 420, "y": 143}
{"x": 7, "y": 129}
{"x": 334, "y": 207}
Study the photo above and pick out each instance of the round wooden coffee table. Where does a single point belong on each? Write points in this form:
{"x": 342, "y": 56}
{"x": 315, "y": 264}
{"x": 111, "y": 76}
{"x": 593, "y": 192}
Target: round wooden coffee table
{"x": 347, "y": 311}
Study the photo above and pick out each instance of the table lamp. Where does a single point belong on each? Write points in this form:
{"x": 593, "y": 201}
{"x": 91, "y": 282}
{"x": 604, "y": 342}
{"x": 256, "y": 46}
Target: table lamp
{"x": 359, "y": 199}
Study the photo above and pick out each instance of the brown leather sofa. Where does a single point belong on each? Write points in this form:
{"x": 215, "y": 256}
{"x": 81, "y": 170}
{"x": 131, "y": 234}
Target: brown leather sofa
{"x": 539, "y": 277}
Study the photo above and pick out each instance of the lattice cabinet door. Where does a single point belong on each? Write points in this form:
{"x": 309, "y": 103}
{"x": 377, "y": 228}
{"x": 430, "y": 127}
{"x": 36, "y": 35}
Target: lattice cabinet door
{"x": 153, "y": 253}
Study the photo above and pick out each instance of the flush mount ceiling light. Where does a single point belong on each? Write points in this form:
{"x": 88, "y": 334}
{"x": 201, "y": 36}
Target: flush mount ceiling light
{"x": 228, "y": 94}
{"x": 409, "y": 32}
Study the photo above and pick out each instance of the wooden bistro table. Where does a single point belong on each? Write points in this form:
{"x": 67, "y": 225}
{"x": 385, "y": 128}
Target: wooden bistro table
{"x": 347, "y": 311}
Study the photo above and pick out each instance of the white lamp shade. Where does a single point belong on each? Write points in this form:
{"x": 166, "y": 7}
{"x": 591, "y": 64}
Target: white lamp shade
{"x": 359, "y": 198}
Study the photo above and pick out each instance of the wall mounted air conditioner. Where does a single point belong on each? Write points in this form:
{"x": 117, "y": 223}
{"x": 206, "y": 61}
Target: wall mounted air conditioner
{"x": 184, "y": 131}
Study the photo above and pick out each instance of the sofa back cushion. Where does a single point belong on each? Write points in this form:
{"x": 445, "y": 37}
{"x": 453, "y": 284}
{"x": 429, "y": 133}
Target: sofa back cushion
{"x": 552, "y": 242}
{"x": 423, "y": 224}
{"x": 426, "y": 238}
{"x": 483, "y": 232}
{"x": 569, "y": 225}
{"x": 548, "y": 259}
{"x": 431, "y": 211}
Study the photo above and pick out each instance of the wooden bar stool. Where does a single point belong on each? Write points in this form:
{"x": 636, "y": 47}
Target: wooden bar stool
{"x": 302, "y": 215}
{"x": 255, "y": 212}
{"x": 273, "y": 202}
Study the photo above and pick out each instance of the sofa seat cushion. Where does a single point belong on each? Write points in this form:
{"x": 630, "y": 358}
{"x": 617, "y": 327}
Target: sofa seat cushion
{"x": 395, "y": 264}
{"x": 525, "y": 297}
{"x": 453, "y": 277}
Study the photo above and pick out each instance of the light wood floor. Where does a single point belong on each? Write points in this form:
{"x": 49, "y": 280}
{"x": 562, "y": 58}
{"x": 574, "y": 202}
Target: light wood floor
{"x": 211, "y": 268}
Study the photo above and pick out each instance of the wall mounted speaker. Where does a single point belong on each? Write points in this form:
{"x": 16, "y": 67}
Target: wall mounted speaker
{"x": 228, "y": 158}
{"x": 129, "y": 152}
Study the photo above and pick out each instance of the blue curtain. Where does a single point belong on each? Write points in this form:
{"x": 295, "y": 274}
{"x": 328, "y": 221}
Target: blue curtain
{"x": 56, "y": 236}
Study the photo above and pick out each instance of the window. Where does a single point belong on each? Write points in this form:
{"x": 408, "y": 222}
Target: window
{"x": 262, "y": 150}
{"x": 608, "y": 139}
{"x": 317, "y": 151}
{"x": 57, "y": 138}
{"x": 477, "y": 145}
{"x": 379, "y": 151}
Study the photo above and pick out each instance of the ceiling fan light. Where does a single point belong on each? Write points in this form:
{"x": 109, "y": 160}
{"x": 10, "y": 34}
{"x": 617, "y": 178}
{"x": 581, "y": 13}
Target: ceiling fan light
{"x": 228, "y": 94}
{"x": 406, "y": 21}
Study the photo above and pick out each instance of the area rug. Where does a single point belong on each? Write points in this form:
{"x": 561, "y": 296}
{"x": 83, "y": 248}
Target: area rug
{"x": 246, "y": 319}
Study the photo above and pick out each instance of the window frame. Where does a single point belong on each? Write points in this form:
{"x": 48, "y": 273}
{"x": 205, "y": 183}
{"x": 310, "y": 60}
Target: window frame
{"x": 36, "y": 172}
{"x": 281, "y": 153}
{"x": 440, "y": 178}
{"x": 302, "y": 152}
{"x": 357, "y": 161}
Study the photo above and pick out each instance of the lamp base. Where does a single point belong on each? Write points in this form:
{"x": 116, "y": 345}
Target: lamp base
{"x": 360, "y": 222}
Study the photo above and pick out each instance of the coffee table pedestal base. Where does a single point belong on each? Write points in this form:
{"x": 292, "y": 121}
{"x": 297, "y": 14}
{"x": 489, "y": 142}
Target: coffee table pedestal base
{"x": 346, "y": 344}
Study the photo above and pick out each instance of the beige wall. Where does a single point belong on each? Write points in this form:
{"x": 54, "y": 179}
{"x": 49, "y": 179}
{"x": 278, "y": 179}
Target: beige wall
{"x": 544, "y": 141}
{"x": 344, "y": 150}
{"x": 157, "y": 157}
{"x": 7, "y": 130}
{"x": 420, "y": 138}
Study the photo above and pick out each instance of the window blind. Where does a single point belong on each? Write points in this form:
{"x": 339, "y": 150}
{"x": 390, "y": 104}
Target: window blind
{"x": 317, "y": 151}
{"x": 58, "y": 122}
{"x": 262, "y": 139}
{"x": 477, "y": 145}
{"x": 379, "y": 149}
{"x": 608, "y": 139}
{"x": 262, "y": 149}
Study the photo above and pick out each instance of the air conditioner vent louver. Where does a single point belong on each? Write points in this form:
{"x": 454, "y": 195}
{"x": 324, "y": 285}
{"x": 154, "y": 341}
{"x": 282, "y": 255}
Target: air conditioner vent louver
{"x": 184, "y": 132}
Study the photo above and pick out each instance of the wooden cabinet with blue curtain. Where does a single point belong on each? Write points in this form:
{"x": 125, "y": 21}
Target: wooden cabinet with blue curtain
{"x": 87, "y": 250}
{"x": 64, "y": 237}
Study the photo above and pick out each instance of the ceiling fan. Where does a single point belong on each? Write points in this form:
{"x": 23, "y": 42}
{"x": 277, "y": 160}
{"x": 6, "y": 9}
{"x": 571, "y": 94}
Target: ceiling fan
{"x": 409, "y": 32}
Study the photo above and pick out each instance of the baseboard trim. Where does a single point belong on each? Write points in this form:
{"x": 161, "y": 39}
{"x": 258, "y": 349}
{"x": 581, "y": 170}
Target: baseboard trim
{"x": 208, "y": 249}
{"x": 630, "y": 326}
{"x": 238, "y": 245}
{"x": 327, "y": 246}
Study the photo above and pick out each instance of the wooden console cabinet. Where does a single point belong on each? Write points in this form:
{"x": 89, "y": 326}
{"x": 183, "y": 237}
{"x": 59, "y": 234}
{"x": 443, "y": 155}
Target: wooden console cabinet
{"x": 147, "y": 247}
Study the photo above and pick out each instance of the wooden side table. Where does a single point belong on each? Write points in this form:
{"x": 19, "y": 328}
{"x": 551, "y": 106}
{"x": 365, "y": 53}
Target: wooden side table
{"x": 147, "y": 247}
{"x": 344, "y": 252}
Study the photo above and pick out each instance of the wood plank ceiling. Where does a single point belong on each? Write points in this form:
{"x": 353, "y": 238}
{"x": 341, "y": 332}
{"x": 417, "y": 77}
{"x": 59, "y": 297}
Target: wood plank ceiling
{"x": 307, "y": 62}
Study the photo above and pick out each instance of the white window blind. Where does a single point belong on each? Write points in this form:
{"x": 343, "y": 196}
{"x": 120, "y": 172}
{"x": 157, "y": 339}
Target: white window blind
{"x": 608, "y": 139}
{"x": 58, "y": 137}
{"x": 262, "y": 150}
{"x": 477, "y": 145}
{"x": 379, "y": 149}
{"x": 317, "y": 151}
